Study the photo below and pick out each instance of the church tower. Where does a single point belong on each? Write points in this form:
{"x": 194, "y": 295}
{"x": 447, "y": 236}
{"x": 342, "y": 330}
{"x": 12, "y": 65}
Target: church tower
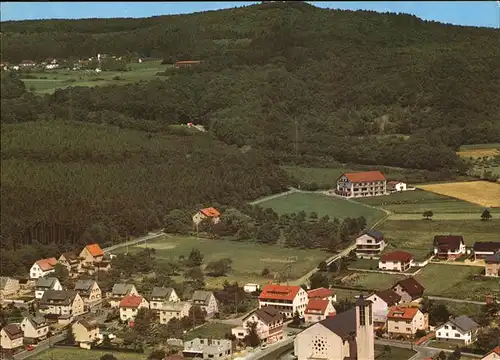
{"x": 365, "y": 338}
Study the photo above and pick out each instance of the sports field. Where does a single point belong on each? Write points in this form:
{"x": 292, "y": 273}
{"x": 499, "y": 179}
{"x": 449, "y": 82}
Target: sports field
{"x": 483, "y": 193}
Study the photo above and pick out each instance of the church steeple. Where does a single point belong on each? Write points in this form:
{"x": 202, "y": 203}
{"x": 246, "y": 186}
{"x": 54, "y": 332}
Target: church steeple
{"x": 365, "y": 338}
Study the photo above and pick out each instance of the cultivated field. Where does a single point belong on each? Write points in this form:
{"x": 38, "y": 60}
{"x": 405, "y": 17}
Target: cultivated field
{"x": 81, "y": 354}
{"x": 322, "y": 205}
{"x": 483, "y": 193}
{"x": 479, "y": 150}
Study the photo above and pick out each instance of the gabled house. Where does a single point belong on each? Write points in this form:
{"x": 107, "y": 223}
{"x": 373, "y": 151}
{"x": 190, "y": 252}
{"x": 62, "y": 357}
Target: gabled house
{"x": 11, "y": 337}
{"x": 42, "y": 267}
{"x": 46, "y": 283}
{"x": 322, "y": 294}
{"x": 66, "y": 303}
{"x": 395, "y": 186}
{"x": 171, "y": 310}
{"x": 484, "y": 249}
{"x": 362, "y": 184}
{"x": 317, "y": 310}
{"x": 409, "y": 289}
{"x": 104, "y": 265}
{"x": 8, "y": 287}
{"x": 71, "y": 261}
{"x": 269, "y": 325}
{"x": 286, "y": 299}
{"x": 119, "y": 291}
{"x": 91, "y": 254}
{"x": 382, "y": 301}
{"x": 35, "y": 327}
{"x": 406, "y": 321}
{"x": 206, "y": 300}
{"x": 130, "y": 305}
{"x": 218, "y": 349}
{"x": 396, "y": 261}
{"x": 89, "y": 291}
{"x": 493, "y": 354}
{"x": 160, "y": 295}
{"x": 207, "y": 213}
{"x": 85, "y": 331}
{"x": 492, "y": 265}
{"x": 369, "y": 244}
{"x": 462, "y": 330}
{"x": 448, "y": 247}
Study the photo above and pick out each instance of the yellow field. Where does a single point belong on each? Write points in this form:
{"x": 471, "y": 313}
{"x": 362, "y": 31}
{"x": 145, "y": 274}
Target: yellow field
{"x": 477, "y": 153}
{"x": 483, "y": 193}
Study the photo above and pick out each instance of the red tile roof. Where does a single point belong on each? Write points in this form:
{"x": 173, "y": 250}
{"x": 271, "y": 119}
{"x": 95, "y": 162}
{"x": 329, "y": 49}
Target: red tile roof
{"x": 316, "y": 306}
{"x": 405, "y": 313}
{"x": 495, "y": 350}
{"x": 95, "y": 250}
{"x": 320, "y": 293}
{"x": 366, "y": 176}
{"x": 279, "y": 292}
{"x": 397, "y": 256}
{"x": 131, "y": 301}
{"x": 47, "y": 264}
{"x": 210, "y": 212}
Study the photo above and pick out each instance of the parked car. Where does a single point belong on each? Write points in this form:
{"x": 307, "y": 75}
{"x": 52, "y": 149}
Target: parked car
{"x": 30, "y": 347}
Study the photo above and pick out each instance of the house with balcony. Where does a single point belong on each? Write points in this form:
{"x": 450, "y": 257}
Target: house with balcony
{"x": 396, "y": 261}
{"x": 72, "y": 262}
{"x": 46, "y": 283}
{"x": 483, "y": 249}
{"x": 42, "y": 267}
{"x": 322, "y": 294}
{"x": 61, "y": 303}
{"x": 130, "y": 305}
{"x": 173, "y": 310}
{"x": 218, "y": 349}
{"x": 461, "y": 330}
{"x": 370, "y": 244}
{"x": 35, "y": 328}
{"x": 269, "y": 325}
{"x": 317, "y": 310}
{"x": 406, "y": 321}
{"x": 449, "y": 247}
{"x": 206, "y": 301}
{"x": 361, "y": 184}
{"x": 160, "y": 295}
{"x": 286, "y": 299}
{"x": 492, "y": 265}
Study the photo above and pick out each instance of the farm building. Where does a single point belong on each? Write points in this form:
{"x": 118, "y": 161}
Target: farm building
{"x": 483, "y": 249}
{"x": 362, "y": 184}
{"x": 369, "y": 244}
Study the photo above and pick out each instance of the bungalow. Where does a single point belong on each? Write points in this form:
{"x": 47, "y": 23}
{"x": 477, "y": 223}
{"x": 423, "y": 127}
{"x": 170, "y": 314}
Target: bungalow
{"x": 61, "y": 303}
{"x": 171, "y": 310}
{"x": 286, "y": 299}
{"x": 382, "y": 301}
{"x": 35, "y": 327}
{"x": 91, "y": 254}
{"x": 369, "y": 244}
{"x": 118, "y": 292}
{"x": 462, "y": 330}
{"x": 207, "y": 213}
{"x": 160, "y": 295}
{"x": 318, "y": 310}
{"x": 8, "y": 287}
{"x": 406, "y": 321}
{"x": 493, "y": 354}
{"x": 11, "y": 337}
{"x": 71, "y": 261}
{"x": 368, "y": 183}
{"x": 46, "y": 283}
{"x": 396, "y": 261}
{"x": 89, "y": 291}
{"x": 449, "y": 247}
{"x": 492, "y": 265}
{"x": 485, "y": 249}
{"x": 322, "y": 294}
{"x": 269, "y": 325}
{"x": 206, "y": 300}
{"x": 130, "y": 305}
{"x": 395, "y": 186}
{"x": 85, "y": 331}
{"x": 42, "y": 267}
{"x": 409, "y": 289}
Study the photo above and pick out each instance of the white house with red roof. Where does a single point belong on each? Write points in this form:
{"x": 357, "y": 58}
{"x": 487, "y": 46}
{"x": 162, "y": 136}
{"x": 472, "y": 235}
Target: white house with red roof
{"x": 362, "y": 184}
{"x": 130, "y": 305}
{"x": 396, "y": 261}
{"x": 286, "y": 299}
{"x": 322, "y": 294}
{"x": 42, "y": 267}
{"x": 207, "y": 213}
{"x": 493, "y": 354}
{"x": 318, "y": 309}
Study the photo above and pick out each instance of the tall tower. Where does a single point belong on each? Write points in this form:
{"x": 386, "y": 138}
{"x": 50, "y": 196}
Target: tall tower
{"x": 365, "y": 338}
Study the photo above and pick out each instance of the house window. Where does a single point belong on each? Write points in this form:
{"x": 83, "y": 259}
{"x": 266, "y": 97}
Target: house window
{"x": 408, "y": 329}
{"x": 457, "y": 335}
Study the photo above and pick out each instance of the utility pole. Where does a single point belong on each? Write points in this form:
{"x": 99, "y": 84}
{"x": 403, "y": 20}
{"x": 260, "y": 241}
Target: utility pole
{"x": 296, "y": 138}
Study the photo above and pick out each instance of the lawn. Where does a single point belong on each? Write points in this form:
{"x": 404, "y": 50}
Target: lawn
{"x": 375, "y": 281}
{"x": 248, "y": 258}
{"x": 81, "y": 354}
{"x": 395, "y": 353}
{"x": 470, "y": 310}
{"x": 209, "y": 330}
{"x": 322, "y": 205}
{"x": 484, "y": 193}
{"x": 364, "y": 264}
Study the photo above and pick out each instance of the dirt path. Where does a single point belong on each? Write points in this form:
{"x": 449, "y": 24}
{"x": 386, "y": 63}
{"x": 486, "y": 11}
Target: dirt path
{"x": 264, "y": 199}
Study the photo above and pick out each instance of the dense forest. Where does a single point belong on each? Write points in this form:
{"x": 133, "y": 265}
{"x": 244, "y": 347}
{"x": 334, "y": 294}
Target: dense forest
{"x": 280, "y": 83}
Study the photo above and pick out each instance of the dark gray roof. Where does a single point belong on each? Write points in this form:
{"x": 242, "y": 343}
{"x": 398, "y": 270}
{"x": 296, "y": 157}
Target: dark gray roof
{"x": 13, "y": 331}
{"x": 411, "y": 286}
{"x": 493, "y": 259}
{"x": 84, "y": 285}
{"x": 59, "y": 297}
{"x": 3, "y": 281}
{"x": 161, "y": 292}
{"x": 268, "y": 314}
{"x": 377, "y": 235}
{"x": 343, "y": 324}
{"x": 465, "y": 323}
{"x": 121, "y": 289}
{"x": 46, "y": 282}
{"x": 38, "y": 321}
{"x": 200, "y": 295}
{"x": 389, "y": 296}
{"x": 486, "y": 246}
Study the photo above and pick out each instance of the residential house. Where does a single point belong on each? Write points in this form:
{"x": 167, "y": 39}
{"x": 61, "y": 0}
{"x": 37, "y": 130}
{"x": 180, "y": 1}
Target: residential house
{"x": 85, "y": 331}
{"x": 104, "y": 265}
{"x": 186, "y": 63}
{"x": 91, "y": 254}
{"x": 406, "y": 321}
{"x": 382, "y": 301}
{"x": 171, "y": 310}
{"x": 27, "y": 63}
{"x": 493, "y": 354}
{"x": 42, "y": 267}
{"x": 11, "y": 337}
{"x": 160, "y": 295}
{"x": 449, "y": 247}
{"x": 286, "y": 299}
{"x": 208, "y": 349}
{"x": 369, "y": 183}
{"x": 462, "y": 330}
{"x": 119, "y": 291}
{"x": 89, "y": 291}
{"x": 395, "y": 186}
{"x": 348, "y": 335}
{"x": 71, "y": 261}
{"x": 317, "y": 310}
{"x": 130, "y": 305}
{"x": 250, "y": 288}
{"x": 396, "y": 261}
{"x": 322, "y": 294}
{"x": 46, "y": 283}
{"x": 269, "y": 325}
{"x": 66, "y": 303}
{"x": 35, "y": 327}
{"x": 484, "y": 249}
{"x": 208, "y": 213}
{"x": 206, "y": 300}
{"x": 8, "y": 287}
{"x": 409, "y": 289}
{"x": 370, "y": 244}
{"x": 492, "y": 265}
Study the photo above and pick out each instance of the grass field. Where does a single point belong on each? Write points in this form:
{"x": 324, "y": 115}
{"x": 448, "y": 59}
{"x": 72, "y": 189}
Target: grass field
{"x": 81, "y": 354}
{"x": 209, "y": 330}
{"x": 322, "y": 205}
{"x": 374, "y": 281}
{"x": 248, "y": 258}
{"x": 479, "y": 150}
{"x": 395, "y": 353}
{"x": 483, "y": 193}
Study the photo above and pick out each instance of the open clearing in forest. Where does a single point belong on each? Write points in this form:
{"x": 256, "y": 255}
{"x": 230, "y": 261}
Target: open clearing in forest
{"x": 483, "y": 193}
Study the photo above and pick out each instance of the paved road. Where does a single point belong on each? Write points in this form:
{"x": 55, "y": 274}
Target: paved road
{"x": 260, "y": 353}
{"x": 456, "y": 300}
{"x": 42, "y": 346}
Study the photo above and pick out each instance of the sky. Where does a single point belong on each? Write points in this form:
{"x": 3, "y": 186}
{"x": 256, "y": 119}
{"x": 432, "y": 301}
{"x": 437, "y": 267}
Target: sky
{"x": 470, "y": 13}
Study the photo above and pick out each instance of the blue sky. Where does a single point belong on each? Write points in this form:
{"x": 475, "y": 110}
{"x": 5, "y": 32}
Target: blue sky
{"x": 473, "y": 13}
